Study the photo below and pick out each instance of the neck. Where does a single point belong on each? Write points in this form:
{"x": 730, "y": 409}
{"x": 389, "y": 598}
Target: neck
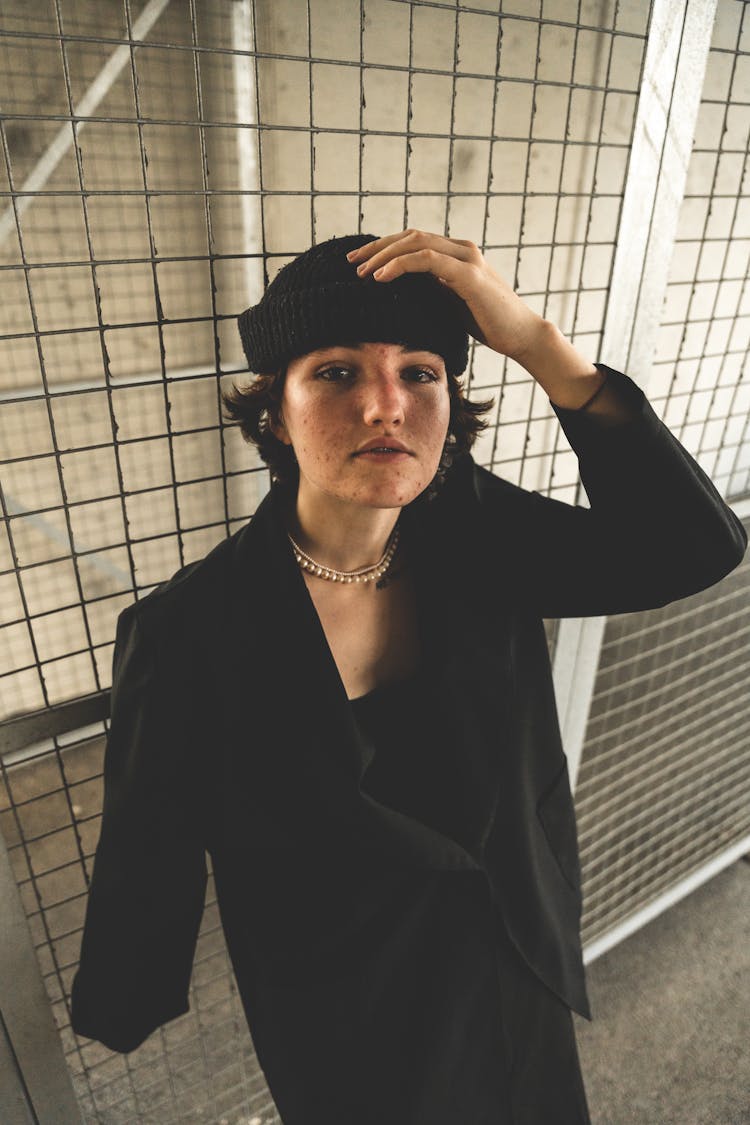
{"x": 340, "y": 534}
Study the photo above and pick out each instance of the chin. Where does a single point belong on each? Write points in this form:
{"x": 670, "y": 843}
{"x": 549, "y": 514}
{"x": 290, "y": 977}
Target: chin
{"x": 377, "y": 490}
{"x": 394, "y": 495}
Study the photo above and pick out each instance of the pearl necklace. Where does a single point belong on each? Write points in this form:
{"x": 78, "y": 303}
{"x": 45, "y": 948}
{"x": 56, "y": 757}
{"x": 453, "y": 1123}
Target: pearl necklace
{"x": 364, "y": 574}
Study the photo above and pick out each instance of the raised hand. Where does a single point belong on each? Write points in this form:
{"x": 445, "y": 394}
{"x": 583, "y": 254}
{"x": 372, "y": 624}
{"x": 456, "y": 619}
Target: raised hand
{"x": 495, "y": 315}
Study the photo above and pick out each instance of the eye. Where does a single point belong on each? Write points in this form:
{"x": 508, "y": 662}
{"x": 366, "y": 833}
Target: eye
{"x": 422, "y": 374}
{"x": 334, "y": 374}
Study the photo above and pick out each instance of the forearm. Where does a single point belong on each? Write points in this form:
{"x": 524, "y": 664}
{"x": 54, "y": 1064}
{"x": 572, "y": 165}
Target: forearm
{"x": 567, "y": 377}
{"x": 655, "y": 530}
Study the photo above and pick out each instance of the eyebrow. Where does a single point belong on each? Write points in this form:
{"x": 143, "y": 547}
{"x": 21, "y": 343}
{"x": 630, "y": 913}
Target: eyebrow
{"x": 358, "y": 348}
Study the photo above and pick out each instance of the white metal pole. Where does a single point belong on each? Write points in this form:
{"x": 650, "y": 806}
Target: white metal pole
{"x": 674, "y": 68}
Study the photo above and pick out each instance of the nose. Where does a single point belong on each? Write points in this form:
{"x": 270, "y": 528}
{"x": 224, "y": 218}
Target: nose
{"x": 384, "y": 399}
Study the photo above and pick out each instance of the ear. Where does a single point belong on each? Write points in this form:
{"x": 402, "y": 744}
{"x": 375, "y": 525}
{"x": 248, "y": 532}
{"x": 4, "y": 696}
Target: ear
{"x": 278, "y": 429}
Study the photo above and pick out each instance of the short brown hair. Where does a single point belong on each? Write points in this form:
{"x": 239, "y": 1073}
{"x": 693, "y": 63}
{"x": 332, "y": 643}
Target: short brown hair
{"x": 254, "y": 407}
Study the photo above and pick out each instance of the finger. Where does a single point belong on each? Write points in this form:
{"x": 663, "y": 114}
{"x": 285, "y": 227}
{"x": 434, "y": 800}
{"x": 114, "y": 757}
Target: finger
{"x": 370, "y": 248}
{"x": 375, "y": 254}
{"x": 406, "y": 247}
{"x": 426, "y": 260}
{"x": 411, "y": 239}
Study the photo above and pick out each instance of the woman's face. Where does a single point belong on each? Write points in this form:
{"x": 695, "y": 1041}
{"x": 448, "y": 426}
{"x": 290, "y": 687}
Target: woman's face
{"x": 338, "y": 400}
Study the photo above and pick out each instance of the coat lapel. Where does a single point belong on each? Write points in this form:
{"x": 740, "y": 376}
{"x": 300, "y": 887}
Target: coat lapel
{"x": 467, "y": 635}
{"x": 312, "y": 752}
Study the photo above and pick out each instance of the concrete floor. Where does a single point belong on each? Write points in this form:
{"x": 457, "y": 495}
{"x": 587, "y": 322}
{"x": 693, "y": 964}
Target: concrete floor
{"x": 670, "y": 1040}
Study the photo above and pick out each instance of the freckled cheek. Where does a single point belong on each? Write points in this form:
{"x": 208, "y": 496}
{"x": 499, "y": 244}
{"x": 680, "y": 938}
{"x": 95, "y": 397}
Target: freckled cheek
{"x": 316, "y": 439}
{"x": 434, "y": 430}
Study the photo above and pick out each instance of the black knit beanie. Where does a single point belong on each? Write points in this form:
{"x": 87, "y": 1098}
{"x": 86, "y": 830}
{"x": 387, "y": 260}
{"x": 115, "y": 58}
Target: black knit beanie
{"x": 317, "y": 300}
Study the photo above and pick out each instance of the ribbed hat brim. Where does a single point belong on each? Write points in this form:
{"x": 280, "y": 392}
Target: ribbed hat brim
{"x": 414, "y": 310}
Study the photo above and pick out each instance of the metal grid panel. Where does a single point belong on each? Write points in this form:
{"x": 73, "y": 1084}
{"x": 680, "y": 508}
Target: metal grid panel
{"x": 119, "y": 305}
{"x": 124, "y": 253}
{"x": 664, "y": 783}
{"x": 697, "y": 377}
{"x": 123, "y": 269}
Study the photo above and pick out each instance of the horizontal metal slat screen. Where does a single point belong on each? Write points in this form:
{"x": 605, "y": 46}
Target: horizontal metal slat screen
{"x": 664, "y": 781}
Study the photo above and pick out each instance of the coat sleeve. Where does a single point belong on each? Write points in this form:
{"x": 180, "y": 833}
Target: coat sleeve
{"x": 656, "y": 530}
{"x": 149, "y": 877}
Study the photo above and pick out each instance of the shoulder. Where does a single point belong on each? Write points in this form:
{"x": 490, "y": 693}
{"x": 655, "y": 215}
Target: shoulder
{"x": 470, "y": 489}
{"x": 183, "y": 605}
{"x": 194, "y": 603}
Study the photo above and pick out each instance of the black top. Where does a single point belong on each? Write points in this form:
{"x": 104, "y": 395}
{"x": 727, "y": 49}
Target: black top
{"x": 412, "y": 763}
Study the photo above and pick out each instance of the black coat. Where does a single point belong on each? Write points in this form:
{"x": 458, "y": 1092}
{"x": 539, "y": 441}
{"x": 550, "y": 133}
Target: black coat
{"x": 231, "y": 733}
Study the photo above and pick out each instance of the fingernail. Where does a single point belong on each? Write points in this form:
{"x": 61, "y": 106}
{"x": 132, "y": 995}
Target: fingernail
{"x": 362, "y": 268}
{"x": 378, "y": 272}
{"x": 352, "y": 255}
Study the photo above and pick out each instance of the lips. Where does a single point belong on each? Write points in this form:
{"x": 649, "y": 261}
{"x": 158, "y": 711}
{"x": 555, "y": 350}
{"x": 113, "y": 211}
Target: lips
{"x": 383, "y": 445}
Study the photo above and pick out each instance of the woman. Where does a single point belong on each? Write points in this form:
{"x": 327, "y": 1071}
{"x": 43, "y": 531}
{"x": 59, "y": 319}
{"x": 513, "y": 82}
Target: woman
{"x": 348, "y": 703}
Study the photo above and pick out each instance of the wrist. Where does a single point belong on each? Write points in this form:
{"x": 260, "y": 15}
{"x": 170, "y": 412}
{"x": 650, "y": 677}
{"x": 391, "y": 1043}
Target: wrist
{"x": 536, "y": 337}
{"x": 567, "y": 377}
{"x": 547, "y": 345}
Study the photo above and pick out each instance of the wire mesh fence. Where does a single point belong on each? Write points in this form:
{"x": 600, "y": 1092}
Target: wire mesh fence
{"x": 161, "y": 162}
{"x": 664, "y": 783}
{"x": 697, "y": 375}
